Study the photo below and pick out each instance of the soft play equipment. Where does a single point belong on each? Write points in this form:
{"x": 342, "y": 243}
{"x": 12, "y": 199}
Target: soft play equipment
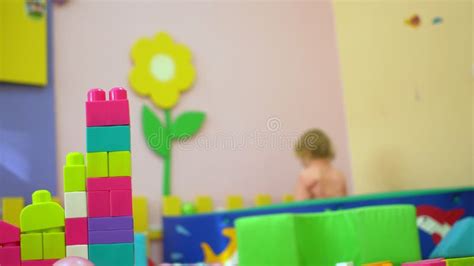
{"x": 458, "y": 242}
{"x": 360, "y": 235}
{"x": 210, "y": 237}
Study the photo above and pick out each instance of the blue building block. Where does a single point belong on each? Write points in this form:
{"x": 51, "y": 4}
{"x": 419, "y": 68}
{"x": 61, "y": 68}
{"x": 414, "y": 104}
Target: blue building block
{"x": 106, "y": 139}
{"x": 140, "y": 250}
{"x": 112, "y": 254}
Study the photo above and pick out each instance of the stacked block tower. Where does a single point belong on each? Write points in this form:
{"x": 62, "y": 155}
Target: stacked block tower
{"x": 98, "y": 197}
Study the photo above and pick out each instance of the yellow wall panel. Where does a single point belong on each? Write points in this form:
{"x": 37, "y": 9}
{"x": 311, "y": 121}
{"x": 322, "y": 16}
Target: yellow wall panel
{"x": 408, "y": 93}
{"x": 23, "y": 43}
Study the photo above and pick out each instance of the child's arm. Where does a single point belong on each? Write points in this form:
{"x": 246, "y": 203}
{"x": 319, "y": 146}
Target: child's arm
{"x": 301, "y": 191}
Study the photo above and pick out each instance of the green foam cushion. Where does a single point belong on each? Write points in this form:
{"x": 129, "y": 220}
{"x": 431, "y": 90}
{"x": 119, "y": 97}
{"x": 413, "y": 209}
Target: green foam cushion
{"x": 360, "y": 235}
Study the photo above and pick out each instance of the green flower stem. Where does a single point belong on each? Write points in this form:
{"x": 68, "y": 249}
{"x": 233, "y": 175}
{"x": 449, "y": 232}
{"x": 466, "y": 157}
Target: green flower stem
{"x": 167, "y": 157}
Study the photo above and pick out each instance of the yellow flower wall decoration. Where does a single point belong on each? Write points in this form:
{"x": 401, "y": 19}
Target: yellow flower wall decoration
{"x": 162, "y": 71}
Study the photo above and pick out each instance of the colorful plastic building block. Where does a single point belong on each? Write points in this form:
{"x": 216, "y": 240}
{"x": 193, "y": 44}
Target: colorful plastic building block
{"x": 76, "y": 204}
{"x": 54, "y": 246}
{"x": 432, "y": 262}
{"x": 382, "y": 263}
{"x": 38, "y": 262}
{"x": 204, "y": 204}
{"x": 31, "y": 246}
{"x": 111, "y": 237}
{"x": 111, "y": 223}
{"x": 263, "y": 200}
{"x": 97, "y": 164}
{"x": 43, "y": 214}
{"x": 98, "y": 204}
{"x": 140, "y": 250}
{"x": 121, "y": 203}
{"x": 107, "y": 184}
{"x": 11, "y": 208}
{"x": 469, "y": 261}
{"x": 171, "y": 206}
{"x": 100, "y": 112}
{"x": 10, "y": 256}
{"x": 78, "y": 251}
{"x": 140, "y": 214}
{"x": 76, "y": 231}
{"x": 234, "y": 202}
{"x": 110, "y": 138}
{"x": 120, "y": 163}
{"x": 74, "y": 173}
{"x": 9, "y": 234}
{"x": 112, "y": 254}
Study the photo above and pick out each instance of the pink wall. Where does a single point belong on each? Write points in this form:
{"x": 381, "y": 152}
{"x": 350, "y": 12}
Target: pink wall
{"x": 255, "y": 61}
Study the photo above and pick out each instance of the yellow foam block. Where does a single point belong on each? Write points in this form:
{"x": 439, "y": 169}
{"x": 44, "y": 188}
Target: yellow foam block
{"x": 140, "y": 214}
{"x": 11, "y": 210}
{"x": 263, "y": 200}
{"x": 171, "y": 206}
{"x": 288, "y": 198}
{"x": 204, "y": 204}
{"x": 234, "y": 202}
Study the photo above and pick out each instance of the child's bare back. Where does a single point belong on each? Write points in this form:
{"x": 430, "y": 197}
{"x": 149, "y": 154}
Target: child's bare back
{"x": 319, "y": 178}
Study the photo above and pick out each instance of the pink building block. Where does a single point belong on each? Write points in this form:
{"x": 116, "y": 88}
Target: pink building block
{"x": 8, "y": 233}
{"x": 98, "y": 204}
{"x": 121, "y": 183}
{"x": 121, "y": 203}
{"x": 38, "y": 262}
{"x": 110, "y": 183}
{"x": 432, "y": 262}
{"x": 10, "y": 256}
{"x": 102, "y": 112}
{"x": 76, "y": 231}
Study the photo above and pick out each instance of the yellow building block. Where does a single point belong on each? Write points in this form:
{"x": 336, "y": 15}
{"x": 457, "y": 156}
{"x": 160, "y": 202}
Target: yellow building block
{"x": 204, "y": 204}
{"x": 11, "y": 210}
{"x": 97, "y": 164}
{"x": 120, "y": 163}
{"x": 234, "y": 202}
{"x": 31, "y": 245}
{"x": 43, "y": 214}
{"x": 382, "y": 263}
{"x": 74, "y": 173}
{"x": 288, "y": 198}
{"x": 155, "y": 234}
{"x": 54, "y": 246}
{"x": 140, "y": 214}
{"x": 263, "y": 200}
{"x": 171, "y": 206}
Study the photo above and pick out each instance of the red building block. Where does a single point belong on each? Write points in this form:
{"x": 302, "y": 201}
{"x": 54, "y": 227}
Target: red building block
{"x": 8, "y": 233}
{"x": 121, "y": 183}
{"x": 38, "y": 262}
{"x": 10, "y": 256}
{"x": 109, "y": 183}
{"x": 102, "y": 112}
{"x": 121, "y": 203}
{"x": 98, "y": 204}
{"x": 76, "y": 231}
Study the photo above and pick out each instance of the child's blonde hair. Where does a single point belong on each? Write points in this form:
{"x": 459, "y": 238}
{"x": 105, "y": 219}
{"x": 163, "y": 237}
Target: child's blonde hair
{"x": 314, "y": 144}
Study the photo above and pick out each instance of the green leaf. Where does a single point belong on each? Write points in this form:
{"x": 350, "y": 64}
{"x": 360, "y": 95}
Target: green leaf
{"x": 187, "y": 125}
{"x": 156, "y": 136}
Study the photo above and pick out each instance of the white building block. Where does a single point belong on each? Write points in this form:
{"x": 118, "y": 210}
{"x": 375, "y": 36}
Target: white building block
{"x": 75, "y": 204}
{"x": 77, "y": 251}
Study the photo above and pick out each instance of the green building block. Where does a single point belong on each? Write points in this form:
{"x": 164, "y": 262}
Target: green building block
{"x": 120, "y": 163}
{"x": 42, "y": 214}
{"x": 360, "y": 235}
{"x": 460, "y": 262}
{"x": 31, "y": 245}
{"x": 110, "y": 138}
{"x": 74, "y": 173}
{"x": 54, "y": 246}
{"x": 97, "y": 164}
{"x": 112, "y": 254}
